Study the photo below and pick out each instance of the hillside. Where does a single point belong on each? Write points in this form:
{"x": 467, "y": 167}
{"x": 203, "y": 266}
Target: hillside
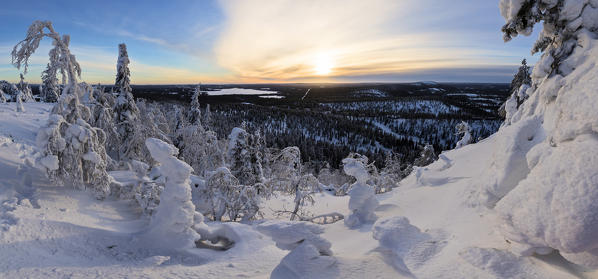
{"x": 51, "y": 231}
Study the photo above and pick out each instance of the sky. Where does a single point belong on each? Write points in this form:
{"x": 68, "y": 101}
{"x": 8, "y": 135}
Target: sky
{"x": 273, "y": 41}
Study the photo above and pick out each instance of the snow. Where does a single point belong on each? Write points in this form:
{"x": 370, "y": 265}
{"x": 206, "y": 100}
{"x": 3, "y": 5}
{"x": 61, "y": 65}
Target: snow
{"x": 240, "y": 91}
{"x": 171, "y": 225}
{"x": 430, "y": 228}
{"x": 272, "y": 97}
{"x": 363, "y": 199}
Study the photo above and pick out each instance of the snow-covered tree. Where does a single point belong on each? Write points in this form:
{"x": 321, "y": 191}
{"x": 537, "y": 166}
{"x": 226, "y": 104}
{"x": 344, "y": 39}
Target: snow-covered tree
{"x": 563, "y": 21}
{"x": 519, "y": 85}
{"x": 207, "y": 116}
{"x": 244, "y": 157}
{"x": 426, "y": 157}
{"x": 2, "y": 97}
{"x": 50, "y": 87}
{"x": 126, "y": 112}
{"x": 521, "y": 78}
{"x": 362, "y": 202}
{"x": 102, "y": 117}
{"x": 303, "y": 190}
{"x": 25, "y": 90}
{"x": 123, "y": 74}
{"x": 543, "y": 171}
{"x": 194, "y": 115}
{"x": 221, "y": 190}
{"x": 171, "y": 226}
{"x": 19, "y": 102}
{"x": 464, "y": 130}
{"x": 72, "y": 152}
{"x": 200, "y": 149}
{"x": 286, "y": 169}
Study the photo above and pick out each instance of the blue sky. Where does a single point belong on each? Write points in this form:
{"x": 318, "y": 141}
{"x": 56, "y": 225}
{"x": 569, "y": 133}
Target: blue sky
{"x": 236, "y": 41}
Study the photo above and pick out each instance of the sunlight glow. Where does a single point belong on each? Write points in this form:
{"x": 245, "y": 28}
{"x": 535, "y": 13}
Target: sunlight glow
{"x": 323, "y": 65}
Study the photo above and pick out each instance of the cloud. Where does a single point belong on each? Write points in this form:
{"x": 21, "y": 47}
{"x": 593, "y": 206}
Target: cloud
{"x": 286, "y": 39}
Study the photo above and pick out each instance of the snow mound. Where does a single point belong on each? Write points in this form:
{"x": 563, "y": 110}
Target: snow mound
{"x": 310, "y": 255}
{"x": 406, "y": 248}
{"x": 503, "y": 264}
{"x": 545, "y": 180}
{"x": 304, "y": 262}
{"x": 559, "y": 211}
{"x": 288, "y": 235}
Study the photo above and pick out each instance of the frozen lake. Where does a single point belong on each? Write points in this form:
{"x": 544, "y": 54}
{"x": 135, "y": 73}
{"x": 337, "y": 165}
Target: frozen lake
{"x": 240, "y": 91}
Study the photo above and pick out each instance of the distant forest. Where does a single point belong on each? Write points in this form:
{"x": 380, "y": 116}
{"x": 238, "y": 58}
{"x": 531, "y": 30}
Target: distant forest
{"x": 333, "y": 120}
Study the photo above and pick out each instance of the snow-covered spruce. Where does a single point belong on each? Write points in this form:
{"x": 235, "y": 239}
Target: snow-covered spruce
{"x": 200, "y": 148}
{"x": 72, "y": 152}
{"x": 244, "y": 157}
{"x": 194, "y": 116}
{"x": 25, "y": 90}
{"x": 2, "y": 97}
{"x": 363, "y": 200}
{"x": 126, "y": 112}
{"x": 310, "y": 255}
{"x": 427, "y": 156}
{"x": 49, "y": 87}
{"x": 224, "y": 195}
{"x": 463, "y": 129}
{"x": 19, "y": 102}
{"x": 102, "y": 116}
{"x": 521, "y": 82}
{"x": 171, "y": 226}
{"x": 544, "y": 167}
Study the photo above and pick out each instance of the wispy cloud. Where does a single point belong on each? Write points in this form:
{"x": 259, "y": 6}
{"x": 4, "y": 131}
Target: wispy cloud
{"x": 287, "y": 39}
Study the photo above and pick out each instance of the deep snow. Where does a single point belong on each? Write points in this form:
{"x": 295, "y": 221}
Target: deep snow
{"x": 427, "y": 228}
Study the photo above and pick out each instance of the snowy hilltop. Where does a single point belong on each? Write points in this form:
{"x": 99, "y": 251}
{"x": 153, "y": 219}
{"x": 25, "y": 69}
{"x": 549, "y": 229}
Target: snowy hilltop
{"x": 98, "y": 184}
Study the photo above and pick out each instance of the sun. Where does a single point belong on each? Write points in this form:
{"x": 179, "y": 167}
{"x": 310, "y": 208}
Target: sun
{"x": 323, "y": 64}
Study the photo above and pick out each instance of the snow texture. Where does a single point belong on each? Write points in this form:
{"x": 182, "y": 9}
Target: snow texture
{"x": 310, "y": 255}
{"x": 171, "y": 225}
{"x": 546, "y": 176}
{"x": 405, "y": 247}
{"x": 363, "y": 200}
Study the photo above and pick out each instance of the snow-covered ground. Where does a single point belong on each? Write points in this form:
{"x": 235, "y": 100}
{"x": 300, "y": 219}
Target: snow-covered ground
{"x": 426, "y": 228}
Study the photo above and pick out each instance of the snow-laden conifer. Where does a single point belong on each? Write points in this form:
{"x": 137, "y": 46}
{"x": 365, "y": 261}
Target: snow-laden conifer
{"x": 2, "y": 97}
{"x": 171, "y": 225}
{"x": 244, "y": 157}
{"x": 194, "y": 115}
{"x": 50, "y": 88}
{"x": 363, "y": 201}
{"x": 25, "y": 90}
{"x": 72, "y": 152}
{"x": 464, "y": 131}
{"x": 126, "y": 113}
{"x": 543, "y": 168}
